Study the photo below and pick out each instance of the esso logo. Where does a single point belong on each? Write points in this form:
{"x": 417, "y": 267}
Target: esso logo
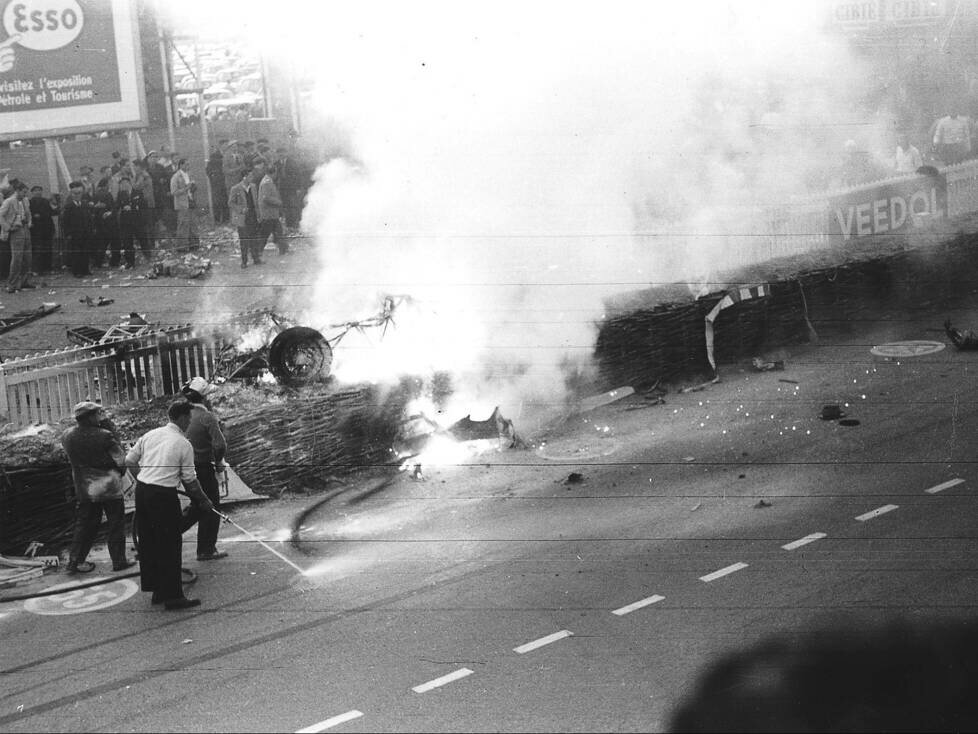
{"x": 43, "y": 25}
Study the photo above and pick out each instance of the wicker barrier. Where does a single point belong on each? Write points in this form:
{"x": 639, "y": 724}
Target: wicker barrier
{"x": 659, "y": 333}
{"x": 298, "y": 444}
{"x": 278, "y": 441}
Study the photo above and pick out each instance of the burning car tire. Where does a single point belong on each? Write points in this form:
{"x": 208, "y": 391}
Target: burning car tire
{"x": 299, "y": 355}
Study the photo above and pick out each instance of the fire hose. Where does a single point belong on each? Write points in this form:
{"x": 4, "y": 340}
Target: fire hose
{"x": 192, "y": 577}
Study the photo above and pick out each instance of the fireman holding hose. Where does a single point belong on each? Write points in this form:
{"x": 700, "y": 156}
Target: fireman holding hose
{"x": 205, "y": 435}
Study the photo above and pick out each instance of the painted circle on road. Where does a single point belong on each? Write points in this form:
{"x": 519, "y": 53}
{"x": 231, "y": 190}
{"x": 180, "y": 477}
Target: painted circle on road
{"x": 571, "y": 450}
{"x": 78, "y": 601}
{"x": 907, "y": 349}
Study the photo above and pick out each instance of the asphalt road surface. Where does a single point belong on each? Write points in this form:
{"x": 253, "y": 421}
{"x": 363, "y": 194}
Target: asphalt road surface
{"x": 496, "y": 596}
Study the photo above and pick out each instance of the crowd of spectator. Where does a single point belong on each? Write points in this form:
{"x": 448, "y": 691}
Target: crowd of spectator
{"x": 117, "y": 216}
{"x": 951, "y": 139}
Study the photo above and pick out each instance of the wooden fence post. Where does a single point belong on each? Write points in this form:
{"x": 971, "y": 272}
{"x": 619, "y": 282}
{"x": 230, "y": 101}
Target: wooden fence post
{"x": 4, "y": 403}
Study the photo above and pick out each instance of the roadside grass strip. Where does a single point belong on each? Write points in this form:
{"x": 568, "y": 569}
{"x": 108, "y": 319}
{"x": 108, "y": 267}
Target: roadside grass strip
{"x": 876, "y": 513}
{"x": 945, "y": 485}
{"x": 638, "y": 604}
{"x": 529, "y": 646}
{"x": 803, "y": 541}
{"x": 723, "y": 572}
{"x": 444, "y": 680}
{"x": 331, "y": 722}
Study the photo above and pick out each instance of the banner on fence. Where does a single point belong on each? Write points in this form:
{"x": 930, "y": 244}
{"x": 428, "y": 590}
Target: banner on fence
{"x": 730, "y": 298}
{"x": 890, "y": 207}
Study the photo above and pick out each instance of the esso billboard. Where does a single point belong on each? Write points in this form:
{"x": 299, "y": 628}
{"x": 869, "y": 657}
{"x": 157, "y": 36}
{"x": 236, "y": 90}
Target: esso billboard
{"x": 69, "y": 66}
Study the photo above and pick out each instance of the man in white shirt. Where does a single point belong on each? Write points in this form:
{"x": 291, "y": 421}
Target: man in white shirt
{"x": 161, "y": 461}
{"x": 182, "y": 189}
{"x": 907, "y": 158}
{"x": 15, "y": 223}
{"x": 952, "y": 138}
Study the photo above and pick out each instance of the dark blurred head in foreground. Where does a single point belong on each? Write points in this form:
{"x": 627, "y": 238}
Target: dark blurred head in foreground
{"x": 901, "y": 677}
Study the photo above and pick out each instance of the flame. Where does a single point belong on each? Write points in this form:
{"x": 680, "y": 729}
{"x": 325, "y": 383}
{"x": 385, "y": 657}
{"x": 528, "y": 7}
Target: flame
{"x": 443, "y": 451}
{"x": 253, "y": 339}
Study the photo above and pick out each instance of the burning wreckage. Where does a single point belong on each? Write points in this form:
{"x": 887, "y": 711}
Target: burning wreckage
{"x": 272, "y": 348}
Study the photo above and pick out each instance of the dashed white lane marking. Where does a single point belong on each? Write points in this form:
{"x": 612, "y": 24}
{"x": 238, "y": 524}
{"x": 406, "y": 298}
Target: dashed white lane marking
{"x": 723, "y": 572}
{"x": 331, "y": 722}
{"x": 638, "y": 604}
{"x": 803, "y": 541}
{"x": 542, "y": 641}
{"x": 945, "y": 485}
{"x": 876, "y": 513}
{"x": 445, "y": 679}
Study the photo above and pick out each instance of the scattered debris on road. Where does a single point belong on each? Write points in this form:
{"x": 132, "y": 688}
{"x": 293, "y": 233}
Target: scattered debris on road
{"x": 762, "y": 366}
{"x": 575, "y": 478}
{"x": 20, "y": 318}
{"x": 495, "y": 426}
{"x": 963, "y": 340}
{"x": 831, "y": 413}
{"x": 102, "y": 301}
{"x": 596, "y": 401}
{"x": 762, "y": 503}
{"x": 701, "y": 386}
{"x": 189, "y": 266}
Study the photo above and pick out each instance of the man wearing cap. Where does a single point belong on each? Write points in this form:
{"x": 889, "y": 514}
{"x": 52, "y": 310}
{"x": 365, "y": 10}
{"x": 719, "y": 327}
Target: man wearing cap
{"x": 204, "y": 434}
{"x": 97, "y": 467}
{"x": 161, "y": 461}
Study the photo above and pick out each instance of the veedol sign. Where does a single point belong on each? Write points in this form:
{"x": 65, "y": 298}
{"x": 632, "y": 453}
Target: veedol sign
{"x": 894, "y": 207}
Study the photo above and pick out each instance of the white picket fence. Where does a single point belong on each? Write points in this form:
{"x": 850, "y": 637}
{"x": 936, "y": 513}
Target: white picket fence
{"x": 43, "y": 388}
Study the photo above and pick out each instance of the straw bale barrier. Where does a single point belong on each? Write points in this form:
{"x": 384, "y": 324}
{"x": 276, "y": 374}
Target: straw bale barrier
{"x": 658, "y": 333}
{"x": 279, "y": 440}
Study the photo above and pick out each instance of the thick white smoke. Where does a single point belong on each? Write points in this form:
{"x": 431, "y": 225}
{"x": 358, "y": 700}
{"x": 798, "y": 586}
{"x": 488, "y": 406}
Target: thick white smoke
{"x": 514, "y": 164}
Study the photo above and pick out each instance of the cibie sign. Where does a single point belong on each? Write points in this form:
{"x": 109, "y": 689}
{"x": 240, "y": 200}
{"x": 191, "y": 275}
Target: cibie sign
{"x": 894, "y": 207}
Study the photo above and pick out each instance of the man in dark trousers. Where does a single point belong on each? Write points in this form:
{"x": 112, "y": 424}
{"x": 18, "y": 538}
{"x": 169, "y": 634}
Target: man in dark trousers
{"x": 219, "y": 193}
{"x": 146, "y": 231}
{"x": 97, "y": 467}
{"x": 106, "y": 234}
{"x": 244, "y": 216}
{"x": 42, "y": 233}
{"x": 161, "y": 189}
{"x": 130, "y": 206}
{"x": 76, "y": 226}
{"x": 289, "y": 182}
{"x": 161, "y": 461}
{"x": 204, "y": 434}
{"x": 269, "y": 210}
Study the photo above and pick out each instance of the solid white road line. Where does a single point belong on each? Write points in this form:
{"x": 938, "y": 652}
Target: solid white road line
{"x": 876, "y": 513}
{"x": 723, "y": 572}
{"x": 638, "y": 605}
{"x": 803, "y": 541}
{"x": 330, "y": 723}
{"x": 945, "y": 485}
{"x": 445, "y": 679}
{"x": 542, "y": 641}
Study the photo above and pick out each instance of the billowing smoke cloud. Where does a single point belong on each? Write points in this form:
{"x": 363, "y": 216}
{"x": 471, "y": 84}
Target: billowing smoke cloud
{"x": 512, "y": 165}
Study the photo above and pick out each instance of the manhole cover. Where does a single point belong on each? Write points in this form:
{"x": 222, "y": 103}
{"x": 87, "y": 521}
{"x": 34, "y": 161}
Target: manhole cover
{"x": 564, "y": 450}
{"x": 907, "y": 349}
